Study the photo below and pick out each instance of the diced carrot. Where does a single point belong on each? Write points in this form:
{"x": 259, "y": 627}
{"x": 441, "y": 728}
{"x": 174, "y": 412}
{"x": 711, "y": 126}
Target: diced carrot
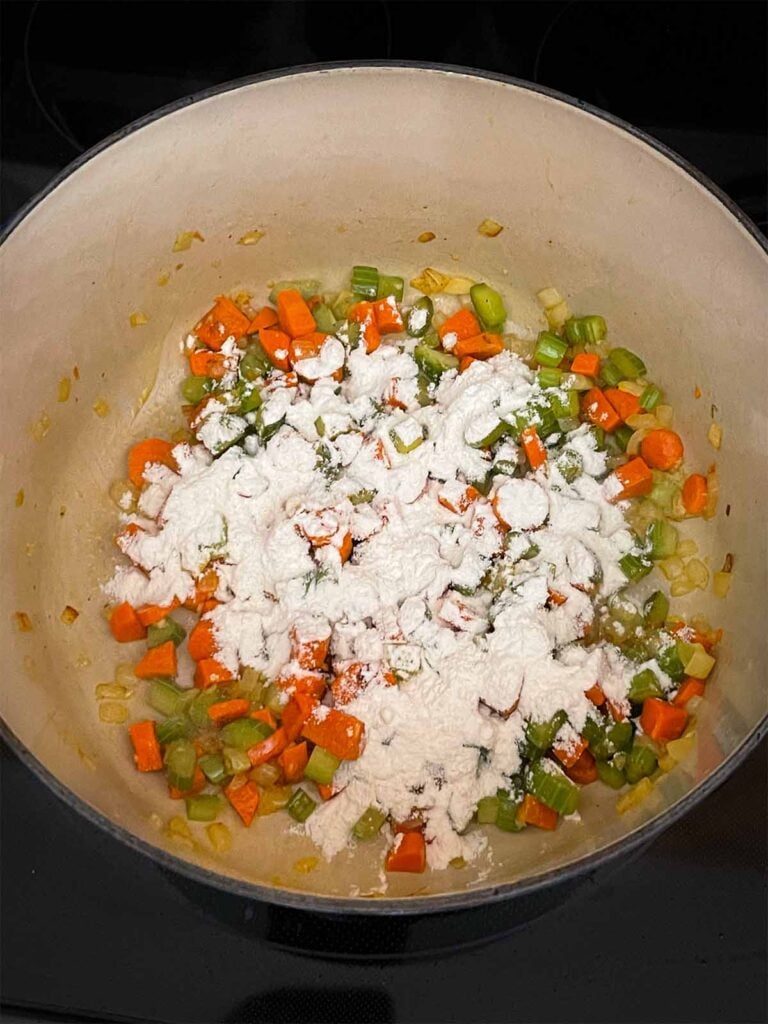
{"x": 277, "y": 345}
{"x": 228, "y": 710}
{"x": 465, "y": 362}
{"x": 598, "y": 410}
{"x": 306, "y": 347}
{"x": 345, "y": 547}
{"x": 204, "y": 363}
{"x": 158, "y": 661}
{"x": 662, "y": 449}
{"x": 293, "y": 761}
{"x": 617, "y": 711}
{"x": 151, "y": 451}
{"x": 199, "y": 782}
{"x": 586, "y": 363}
{"x": 224, "y": 321}
{"x": 336, "y": 731}
{"x": 146, "y": 748}
{"x": 695, "y": 494}
{"x": 348, "y": 683}
{"x": 662, "y": 721}
{"x": 464, "y": 324}
{"x": 312, "y": 684}
{"x": 623, "y": 402}
{"x": 413, "y": 824}
{"x": 391, "y": 397}
{"x": 364, "y": 314}
{"x": 635, "y": 478}
{"x": 533, "y": 812}
{"x": 206, "y": 586}
{"x": 479, "y": 346}
{"x": 201, "y": 642}
{"x": 556, "y": 599}
{"x": 688, "y": 688}
{"x": 568, "y": 756}
{"x": 533, "y": 447}
{"x": 596, "y": 695}
{"x": 210, "y": 672}
{"x": 149, "y": 614}
{"x": 244, "y": 795}
{"x": 293, "y": 314}
{"x": 310, "y": 653}
{"x": 126, "y": 624}
{"x": 296, "y": 712}
{"x": 273, "y": 745}
{"x": 325, "y": 789}
{"x": 408, "y": 854}
{"x": 266, "y": 317}
{"x": 460, "y": 504}
{"x": 387, "y": 316}
{"x": 584, "y": 770}
{"x": 264, "y": 715}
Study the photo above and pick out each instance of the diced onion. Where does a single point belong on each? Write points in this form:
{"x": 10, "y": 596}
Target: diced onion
{"x": 672, "y": 567}
{"x": 642, "y": 421}
{"x": 713, "y": 493}
{"x": 305, "y": 864}
{"x": 426, "y": 236}
{"x": 721, "y": 583}
{"x": 69, "y": 615}
{"x": 632, "y": 387}
{"x": 549, "y": 297}
{"x": 633, "y": 444}
{"x": 137, "y": 319}
{"x": 179, "y": 829}
{"x": 681, "y": 586}
{"x": 125, "y": 675}
{"x": 63, "y": 390}
{"x": 697, "y": 573}
{"x": 113, "y": 713}
{"x": 113, "y": 691}
{"x": 430, "y": 281}
{"x": 250, "y": 238}
{"x": 219, "y": 837}
{"x": 665, "y": 415}
{"x": 634, "y": 796}
{"x": 101, "y": 408}
{"x": 681, "y": 748}
{"x": 687, "y": 547}
{"x": 557, "y": 315}
{"x": 458, "y": 286}
{"x": 184, "y": 240}
{"x": 490, "y": 228}
{"x": 715, "y": 435}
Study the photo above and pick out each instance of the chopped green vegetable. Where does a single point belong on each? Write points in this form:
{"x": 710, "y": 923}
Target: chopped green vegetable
{"x": 321, "y": 766}
{"x": 324, "y": 318}
{"x": 244, "y": 733}
{"x": 506, "y": 812}
{"x": 163, "y": 631}
{"x": 403, "y": 447}
{"x": 167, "y": 698}
{"x": 650, "y": 398}
{"x": 342, "y": 304}
{"x": 171, "y": 729}
{"x": 670, "y": 663}
{"x": 641, "y": 762}
{"x": 203, "y": 807}
{"x": 549, "y": 377}
{"x": 564, "y": 404}
{"x": 198, "y": 706}
{"x": 610, "y": 375}
{"x": 365, "y": 281}
{"x": 487, "y": 810}
{"x": 489, "y": 306}
{"x": 570, "y": 465}
{"x": 622, "y": 435}
{"x": 179, "y": 760}
{"x": 235, "y": 760}
{"x": 629, "y": 365}
{"x": 362, "y": 497}
{"x": 194, "y": 389}
{"x": 368, "y": 825}
{"x": 635, "y": 566}
{"x": 656, "y": 609}
{"x": 542, "y": 734}
{"x": 547, "y": 783}
{"x": 610, "y": 775}
{"x": 213, "y": 768}
{"x": 585, "y": 330}
{"x": 644, "y": 685}
{"x": 390, "y": 285}
{"x": 432, "y": 362}
{"x": 419, "y": 318}
{"x": 662, "y": 538}
{"x": 301, "y": 805}
{"x": 550, "y": 349}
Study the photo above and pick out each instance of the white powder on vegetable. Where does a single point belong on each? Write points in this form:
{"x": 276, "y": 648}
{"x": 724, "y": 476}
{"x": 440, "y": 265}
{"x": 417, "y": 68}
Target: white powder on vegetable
{"x": 473, "y": 663}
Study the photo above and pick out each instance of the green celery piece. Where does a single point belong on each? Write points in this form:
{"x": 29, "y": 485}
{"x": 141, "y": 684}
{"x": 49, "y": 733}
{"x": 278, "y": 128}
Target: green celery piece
{"x": 610, "y": 775}
{"x": 390, "y": 284}
{"x": 325, "y": 321}
{"x": 273, "y": 699}
{"x": 255, "y": 363}
{"x": 301, "y": 805}
{"x": 342, "y": 304}
{"x": 656, "y": 609}
{"x": 362, "y": 497}
{"x": 433, "y": 362}
{"x": 634, "y": 566}
{"x": 489, "y": 306}
{"x": 320, "y": 426}
{"x": 564, "y": 407}
{"x": 622, "y": 435}
{"x": 610, "y": 375}
{"x": 583, "y": 330}
{"x": 368, "y": 825}
{"x": 641, "y": 762}
{"x": 542, "y": 734}
{"x": 506, "y": 813}
{"x": 419, "y": 317}
{"x": 664, "y": 490}
{"x": 168, "y": 699}
{"x": 213, "y": 768}
{"x": 197, "y": 710}
{"x": 547, "y": 783}
{"x": 365, "y": 281}
{"x": 321, "y": 766}
{"x": 549, "y": 377}
{"x": 163, "y": 631}
{"x": 550, "y": 349}
{"x": 492, "y": 436}
{"x": 431, "y": 338}
{"x": 306, "y": 286}
{"x": 644, "y": 685}
{"x": 251, "y": 401}
{"x": 669, "y": 661}
{"x": 235, "y": 760}
{"x": 570, "y": 465}
{"x": 487, "y": 810}
{"x": 194, "y": 389}
{"x": 650, "y": 398}
{"x": 662, "y": 538}
{"x": 179, "y": 760}
{"x": 203, "y": 807}
{"x": 244, "y": 733}
{"x": 266, "y": 431}
{"x": 627, "y": 363}
{"x": 400, "y": 446}
{"x": 171, "y": 729}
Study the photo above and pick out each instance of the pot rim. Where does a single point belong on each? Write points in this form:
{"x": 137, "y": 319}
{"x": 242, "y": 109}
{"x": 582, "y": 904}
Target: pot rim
{"x": 404, "y": 905}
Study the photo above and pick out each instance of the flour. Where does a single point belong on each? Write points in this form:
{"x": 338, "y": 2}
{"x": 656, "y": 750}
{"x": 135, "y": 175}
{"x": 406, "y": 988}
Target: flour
{"x": 447, "y": 587}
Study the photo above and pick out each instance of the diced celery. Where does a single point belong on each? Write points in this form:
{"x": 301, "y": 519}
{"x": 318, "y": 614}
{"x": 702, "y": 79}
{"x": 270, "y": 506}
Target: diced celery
{"x": 550, "y": 349}
{"x": 542, "y": 734}
{"x": 433, "y": 362}
{"x": 662, "y": 537}
{"x": 388, "y": 285}
{"x": 564, "y": 404}
{"x": 171, "y": 729}
{"x": 197, "y": 710}
{"x": 165, "y": 630}
{"x": 628, "y": 364}
{"x": 643, "y": 685}
{"x": 487, "y": 810}
{"x": 301, "y": 805}
{"x": 583, "y": 330}
{"x": 306, "y": 286}
{"x": 622, "y": 435}
{"x": 365, "y": 281}
{"x": 493, "y": 435}
{"x": 235, "y": 760}
{"x": 203, "y": 807}
{"x": 342, "y": 304}
{"x": 547, "y": 783}
{"x": 321, "y": 766}
{"x": 635, "y": 566}
{"x": 273, "y": 699}
{"x": 549, "y": 377}
{"x": 368, "y": 825}
{"x": 194, "y": 389}
{"x": 213, "y": 768}
{"x": 610, "y": 775}
{"x": 251, "y": 401}
{"x": 610, "y": 375}
{"x": 489, "y": 305}
{"x": 362, "y": 497}
{"x": 255, "y": 363}
{"x": 325, "y": 321}
{"x": 570, "y": 465}
{"x": 506, "y": 813}
{"x": 179, "y": 760}
{"x": 656, "y": 609}
{"x": 650, "y": 398}
{"x": 670, "y": 663}
{"x": 419, "y": 318}
{"x": 167, "y": 698}
{"x": 402, "y": 446}
{"x": 244, "y": 733}
{"x": 641, "y": 762}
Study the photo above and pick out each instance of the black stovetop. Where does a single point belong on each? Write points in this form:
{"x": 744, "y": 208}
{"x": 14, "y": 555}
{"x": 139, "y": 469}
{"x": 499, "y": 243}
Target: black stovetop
{"x": 93, "y": 931}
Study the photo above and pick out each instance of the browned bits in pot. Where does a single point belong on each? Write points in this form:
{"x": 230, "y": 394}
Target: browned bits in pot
{"x": 426, "y": 236}
{"x": 69, "y": 615}
{"x": 23, "y": 622}
{"x": 727, "y": 563}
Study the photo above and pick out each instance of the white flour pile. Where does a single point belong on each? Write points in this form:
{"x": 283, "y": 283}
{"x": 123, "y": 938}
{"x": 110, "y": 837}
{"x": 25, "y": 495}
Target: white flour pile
{"x": 444, "y": 737}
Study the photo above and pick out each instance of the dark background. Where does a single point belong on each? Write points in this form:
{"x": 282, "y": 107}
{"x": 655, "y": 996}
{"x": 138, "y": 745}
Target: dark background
{"x": 91, "y": 931}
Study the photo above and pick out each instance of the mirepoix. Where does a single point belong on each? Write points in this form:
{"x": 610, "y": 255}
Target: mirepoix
{"x": 387, "y": 580}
